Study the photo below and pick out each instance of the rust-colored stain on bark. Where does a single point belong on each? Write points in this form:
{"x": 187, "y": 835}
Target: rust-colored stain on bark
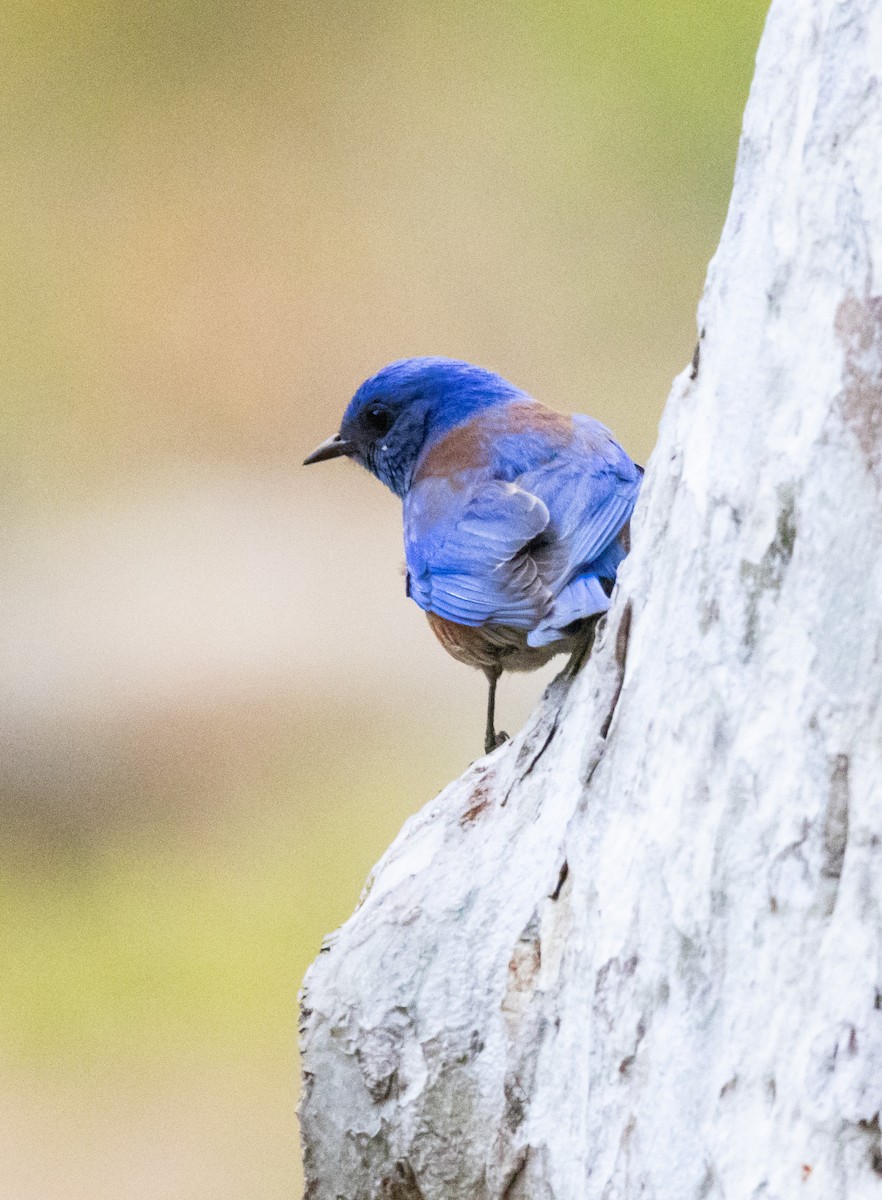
{"x": 481, "y": 799}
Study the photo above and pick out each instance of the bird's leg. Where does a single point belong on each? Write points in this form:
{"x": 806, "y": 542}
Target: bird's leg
{"x": 492, "y": 739}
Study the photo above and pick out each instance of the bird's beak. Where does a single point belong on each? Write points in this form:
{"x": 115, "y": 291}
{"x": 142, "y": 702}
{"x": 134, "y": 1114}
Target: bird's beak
{"x": 332, "y": 447}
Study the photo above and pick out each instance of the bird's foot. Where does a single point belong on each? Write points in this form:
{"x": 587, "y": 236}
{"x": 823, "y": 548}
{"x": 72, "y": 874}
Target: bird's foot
{"x": 494, "y": 740}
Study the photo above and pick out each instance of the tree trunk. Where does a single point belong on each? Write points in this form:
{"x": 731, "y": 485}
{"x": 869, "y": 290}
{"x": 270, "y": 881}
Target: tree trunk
{"x": 636, "y": 952}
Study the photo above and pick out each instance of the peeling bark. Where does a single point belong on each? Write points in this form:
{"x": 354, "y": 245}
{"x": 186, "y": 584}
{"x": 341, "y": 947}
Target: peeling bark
{"x": 636, "y": 952}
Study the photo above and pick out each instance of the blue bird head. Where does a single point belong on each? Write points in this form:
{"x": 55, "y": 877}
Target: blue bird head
{"x": 402, "y": 409}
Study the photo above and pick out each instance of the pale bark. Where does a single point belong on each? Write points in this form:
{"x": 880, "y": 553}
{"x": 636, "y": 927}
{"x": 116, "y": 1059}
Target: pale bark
{"x": 636, "y": 952}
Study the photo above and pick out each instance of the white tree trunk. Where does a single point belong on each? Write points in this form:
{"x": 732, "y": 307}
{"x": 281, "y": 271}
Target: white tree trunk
{"x": 636, "y": 952}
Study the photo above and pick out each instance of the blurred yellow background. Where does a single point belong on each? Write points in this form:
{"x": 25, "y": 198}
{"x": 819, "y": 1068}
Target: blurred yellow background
{"x": 216, "y": 705}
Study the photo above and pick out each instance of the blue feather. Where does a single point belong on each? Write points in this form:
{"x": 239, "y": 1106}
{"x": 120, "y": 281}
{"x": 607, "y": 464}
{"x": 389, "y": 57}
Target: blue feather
{"x": 512, "y": 513}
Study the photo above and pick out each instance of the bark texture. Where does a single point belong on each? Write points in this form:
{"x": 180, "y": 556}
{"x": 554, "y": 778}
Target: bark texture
{"x": 636, "y": 952}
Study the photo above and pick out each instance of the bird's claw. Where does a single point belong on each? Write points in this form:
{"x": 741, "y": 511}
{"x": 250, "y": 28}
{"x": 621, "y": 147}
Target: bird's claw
{"x": 494, "y": 742}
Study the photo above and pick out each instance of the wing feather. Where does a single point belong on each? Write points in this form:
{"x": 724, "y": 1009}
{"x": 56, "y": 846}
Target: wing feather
{"x": 470, "y": 563}
{"x": 489, "y": 550}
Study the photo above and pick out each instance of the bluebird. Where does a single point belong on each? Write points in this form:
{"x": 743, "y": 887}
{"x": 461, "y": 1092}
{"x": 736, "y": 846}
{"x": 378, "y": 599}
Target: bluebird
{"x": 516, "y": 517}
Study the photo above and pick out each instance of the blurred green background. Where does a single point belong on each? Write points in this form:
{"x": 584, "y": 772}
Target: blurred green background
{"x": 216, "y": 706}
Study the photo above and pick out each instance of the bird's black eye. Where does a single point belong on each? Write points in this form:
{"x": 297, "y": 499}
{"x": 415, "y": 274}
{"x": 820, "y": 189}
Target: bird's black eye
{"x": 378, "y": 419}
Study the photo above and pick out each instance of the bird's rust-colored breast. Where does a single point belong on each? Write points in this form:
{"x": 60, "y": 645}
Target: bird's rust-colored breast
{"x": 467, "y": 644}
{"x": 492, "y": 646}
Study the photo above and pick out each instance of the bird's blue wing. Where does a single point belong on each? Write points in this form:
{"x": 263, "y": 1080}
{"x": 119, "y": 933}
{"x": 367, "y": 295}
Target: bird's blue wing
{"x": 527, "y": 551}
{"x": 589, "y": 500}
{"x": 590, "y": 493}
{"x": 469, "y": 552}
